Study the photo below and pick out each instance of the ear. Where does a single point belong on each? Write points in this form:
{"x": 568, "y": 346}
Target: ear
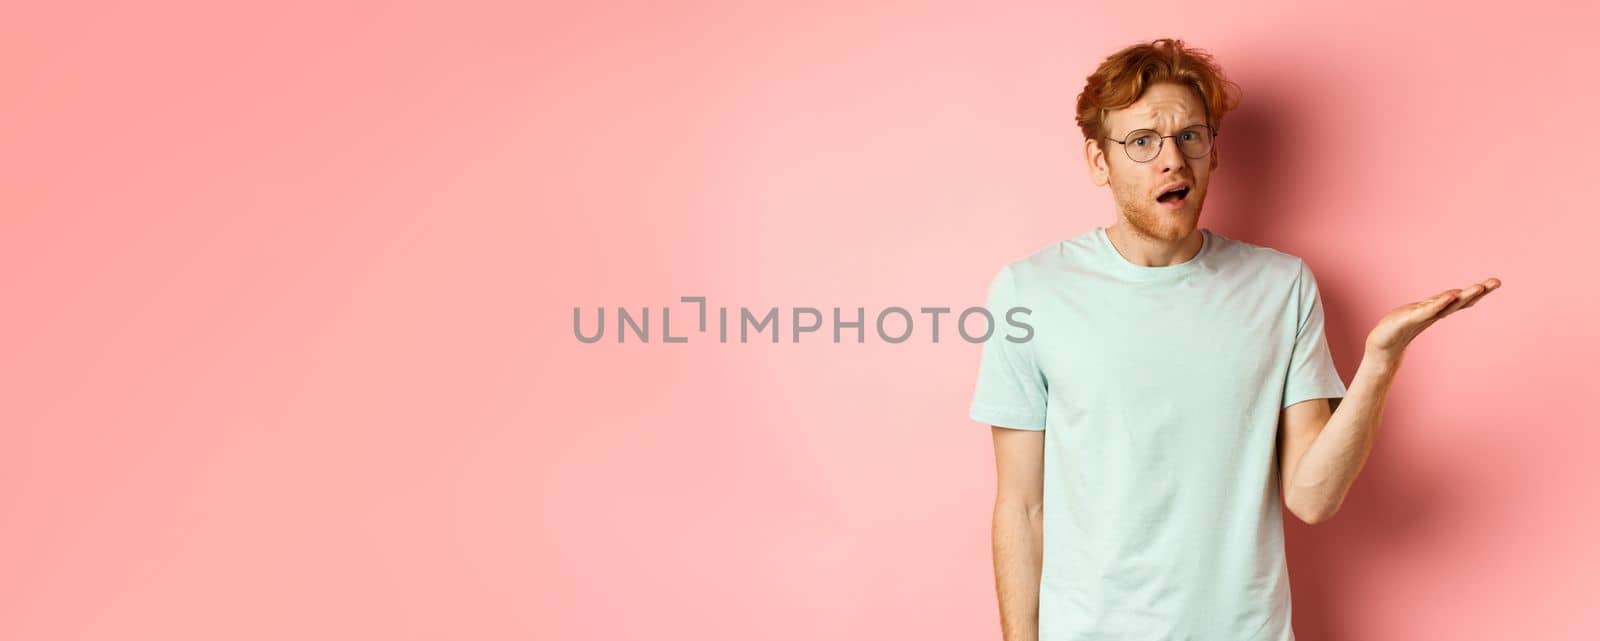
{"x": 1095, "y": 157}
{"x": 1216, "y": 155}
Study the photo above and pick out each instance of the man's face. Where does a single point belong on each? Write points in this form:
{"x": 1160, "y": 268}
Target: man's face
{"x": 1166, "y": 108}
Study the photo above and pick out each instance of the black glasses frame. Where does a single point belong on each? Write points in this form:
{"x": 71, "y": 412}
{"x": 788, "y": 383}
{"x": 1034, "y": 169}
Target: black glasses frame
{"x": 1162, "y": 141}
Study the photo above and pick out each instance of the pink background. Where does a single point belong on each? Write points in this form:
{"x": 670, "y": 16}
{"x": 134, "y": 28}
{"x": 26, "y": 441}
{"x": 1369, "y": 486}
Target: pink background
{"x": 288, "y": 299}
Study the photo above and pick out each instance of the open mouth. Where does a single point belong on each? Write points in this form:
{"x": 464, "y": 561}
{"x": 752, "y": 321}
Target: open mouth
{"x": 1174, "y": 198}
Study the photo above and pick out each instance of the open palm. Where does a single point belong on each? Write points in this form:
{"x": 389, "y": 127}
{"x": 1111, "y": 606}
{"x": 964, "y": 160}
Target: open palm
{"x": 1402, "y": 324}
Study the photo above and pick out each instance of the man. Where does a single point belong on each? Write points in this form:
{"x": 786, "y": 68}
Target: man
{"x": 1176, "y": 380}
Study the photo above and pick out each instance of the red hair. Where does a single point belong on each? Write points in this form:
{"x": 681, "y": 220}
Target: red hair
{"x": 1123, "y": 77}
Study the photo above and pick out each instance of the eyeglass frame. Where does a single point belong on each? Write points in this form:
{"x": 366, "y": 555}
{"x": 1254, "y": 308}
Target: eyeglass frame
{"x": 1161, "y": 142}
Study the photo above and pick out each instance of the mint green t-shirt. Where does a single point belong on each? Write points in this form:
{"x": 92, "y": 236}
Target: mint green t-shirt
{"x": 1159, "y": 390}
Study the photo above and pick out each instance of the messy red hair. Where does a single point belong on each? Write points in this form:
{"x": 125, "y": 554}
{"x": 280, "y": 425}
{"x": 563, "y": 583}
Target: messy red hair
{"x": 1124, "y": 75}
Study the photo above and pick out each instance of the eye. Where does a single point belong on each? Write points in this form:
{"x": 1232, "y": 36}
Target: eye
{"x": 1141, "y": 141}
{"x": 1190, "y": 135}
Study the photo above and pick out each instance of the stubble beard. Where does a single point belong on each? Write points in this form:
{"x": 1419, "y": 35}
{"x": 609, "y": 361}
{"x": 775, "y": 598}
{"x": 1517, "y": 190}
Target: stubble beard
{"x": 1148, "y": 219}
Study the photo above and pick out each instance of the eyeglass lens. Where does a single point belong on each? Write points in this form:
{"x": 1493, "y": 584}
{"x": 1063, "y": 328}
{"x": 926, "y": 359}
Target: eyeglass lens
{"x": 1143, "y": 145}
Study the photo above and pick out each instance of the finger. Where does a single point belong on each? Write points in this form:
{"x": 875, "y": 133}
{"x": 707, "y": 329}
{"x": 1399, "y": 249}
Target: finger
{"x": 1488, "y": 284}
{"x": 1489, "y": 288}
{"x": 1477, "y": 292}
{"x": 1431, "y": 307}
{"x": 1467, "y": 297}
{"x": 1453, "y": 307}
{"x": 1435, "y": 299}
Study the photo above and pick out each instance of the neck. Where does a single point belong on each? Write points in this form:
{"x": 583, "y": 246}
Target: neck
{"x": 1151, "y": 251}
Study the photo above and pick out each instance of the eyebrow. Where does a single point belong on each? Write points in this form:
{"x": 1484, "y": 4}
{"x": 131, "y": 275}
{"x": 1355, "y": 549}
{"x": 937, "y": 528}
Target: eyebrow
{"x": 1154, "y": 129}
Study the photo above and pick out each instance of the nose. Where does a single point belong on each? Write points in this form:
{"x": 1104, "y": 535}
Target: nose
{"x": 1170, "y": 158}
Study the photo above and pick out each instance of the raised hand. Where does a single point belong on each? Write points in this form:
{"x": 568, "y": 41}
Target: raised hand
{"x": 1402, "y": 324}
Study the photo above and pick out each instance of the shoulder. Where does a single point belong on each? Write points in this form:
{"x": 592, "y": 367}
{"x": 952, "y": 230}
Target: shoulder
{"x": 1051, "y": 261}
{"x": 1260, "y": 261}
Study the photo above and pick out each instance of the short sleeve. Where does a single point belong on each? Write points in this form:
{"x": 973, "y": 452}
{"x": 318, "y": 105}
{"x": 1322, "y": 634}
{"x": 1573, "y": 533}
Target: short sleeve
{"x": 1011, "y": 388}
{"x": 1311, "y": 370}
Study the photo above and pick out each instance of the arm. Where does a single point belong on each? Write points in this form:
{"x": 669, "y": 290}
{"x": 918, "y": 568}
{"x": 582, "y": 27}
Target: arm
{"x": 1321, "y": 454}
{"x": 1018, "y": 529}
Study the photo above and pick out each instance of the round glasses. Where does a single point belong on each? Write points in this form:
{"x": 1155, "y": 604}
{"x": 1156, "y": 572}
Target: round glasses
{"x": 1143, "y": 145}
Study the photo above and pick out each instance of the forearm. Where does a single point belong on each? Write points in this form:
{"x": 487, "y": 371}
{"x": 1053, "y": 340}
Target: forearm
{"x": 1018, "y": 555}
{"x": 1329, "y": 466}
